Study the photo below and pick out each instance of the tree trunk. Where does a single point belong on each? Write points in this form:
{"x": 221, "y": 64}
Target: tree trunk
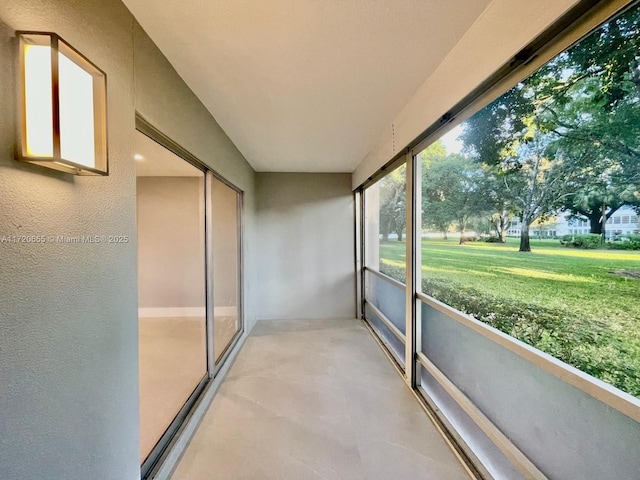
{"x": 525, "y": 244}
{"x": 462, "y": 239}
{"x": 595, "y": 222}
{"x": 504, "y": 226}
{"x": 444, "y": 235}
{"x": 603, "y": 222}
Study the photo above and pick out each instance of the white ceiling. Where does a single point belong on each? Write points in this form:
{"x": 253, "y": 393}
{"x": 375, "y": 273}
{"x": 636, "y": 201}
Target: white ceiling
{"x": 305, "y": 85}
{"x": 154, "y": 160}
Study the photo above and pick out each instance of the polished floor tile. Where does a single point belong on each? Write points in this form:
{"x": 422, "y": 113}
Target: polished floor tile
{"x": 315, "y": 399}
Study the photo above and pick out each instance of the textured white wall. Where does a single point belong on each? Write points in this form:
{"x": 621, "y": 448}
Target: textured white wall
{"x": 68, "y": 313}
{"x": 68, "y": 320}
{"x": 305, "y": 245}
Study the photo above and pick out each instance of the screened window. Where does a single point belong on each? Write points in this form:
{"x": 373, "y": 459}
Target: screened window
{"x": 385, "y": 260}
{"x": 557, "y": 151}
{"x": 385, "y": 224}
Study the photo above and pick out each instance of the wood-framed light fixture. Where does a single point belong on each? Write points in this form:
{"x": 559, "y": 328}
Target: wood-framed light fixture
{"x": 63, "y": 115}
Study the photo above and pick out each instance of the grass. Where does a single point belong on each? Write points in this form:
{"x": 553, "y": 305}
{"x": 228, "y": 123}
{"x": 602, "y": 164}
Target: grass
{"x": 564, "y": 301}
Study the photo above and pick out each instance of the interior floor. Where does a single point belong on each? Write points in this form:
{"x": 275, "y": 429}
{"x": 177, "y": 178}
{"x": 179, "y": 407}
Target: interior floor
{"x": 173, "y": 361}
{"x": 315, "y": 399}
{"x": 172, "y": 364}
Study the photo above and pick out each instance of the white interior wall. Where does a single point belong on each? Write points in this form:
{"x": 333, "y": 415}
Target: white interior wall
{"x": 306, "y": 245}
{"x": 171, "y": 269}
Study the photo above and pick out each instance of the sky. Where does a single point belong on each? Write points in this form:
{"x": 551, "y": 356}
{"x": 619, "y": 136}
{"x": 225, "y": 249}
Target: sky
{"x": 450, "y": 141}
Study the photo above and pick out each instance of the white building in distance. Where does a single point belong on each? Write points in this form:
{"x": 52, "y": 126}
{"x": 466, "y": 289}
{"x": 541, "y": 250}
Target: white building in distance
{"x": 623, "y": 222}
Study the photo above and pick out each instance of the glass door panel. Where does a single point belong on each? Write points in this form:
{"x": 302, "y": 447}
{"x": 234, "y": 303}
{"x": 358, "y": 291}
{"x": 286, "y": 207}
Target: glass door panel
{"x": 171, "y": 286}
{"x": 225, "y": 207}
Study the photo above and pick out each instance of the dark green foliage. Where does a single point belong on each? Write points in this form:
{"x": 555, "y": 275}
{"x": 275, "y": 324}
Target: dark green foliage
{"x": 393, "y": 208}
{"x": 452, "y": 192}
{"x": 593, "y": 241}
{"x": 491, "y": 239}
{"x": 588, "y": 241}
{"x": 626, "y": 242}
{"x": 568, "y": 137}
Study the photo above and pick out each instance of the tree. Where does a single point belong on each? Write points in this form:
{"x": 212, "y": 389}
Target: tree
{"x": 451, "y": 193}
{"x": 534, "y": 182}
{"x": 569, "y": 136}
{"x": 601, "y": 195}
{"x": 603, "y": 144}
{"x": 501, "y": 207}
{"x": 393, "y": 203}
{"x": 435, "y": 218}
{"x": 589, "y": 98}
{"x": 508, "y": 138}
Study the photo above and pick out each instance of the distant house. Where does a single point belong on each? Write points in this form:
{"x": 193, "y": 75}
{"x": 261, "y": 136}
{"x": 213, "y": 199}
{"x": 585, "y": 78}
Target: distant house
{"x": 624, "y": 221}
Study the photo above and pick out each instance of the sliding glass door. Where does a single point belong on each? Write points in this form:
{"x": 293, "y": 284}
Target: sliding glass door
{"x": 171, "y": 286}
{"x": 189, "y": 284}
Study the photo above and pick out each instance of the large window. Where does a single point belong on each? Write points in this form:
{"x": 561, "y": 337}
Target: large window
{"x": 503, "y": 193}
{"x": 385, "y": 259}
{"x": 385, "y": 231}
{"x": 508, "y": 289}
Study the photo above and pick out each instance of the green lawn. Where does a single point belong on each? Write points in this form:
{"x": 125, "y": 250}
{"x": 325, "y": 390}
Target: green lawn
{"x": 561, "y": 300}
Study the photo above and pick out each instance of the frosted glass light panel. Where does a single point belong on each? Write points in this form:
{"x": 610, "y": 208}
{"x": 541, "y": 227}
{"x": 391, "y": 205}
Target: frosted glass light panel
{"x": 63, "y": 107}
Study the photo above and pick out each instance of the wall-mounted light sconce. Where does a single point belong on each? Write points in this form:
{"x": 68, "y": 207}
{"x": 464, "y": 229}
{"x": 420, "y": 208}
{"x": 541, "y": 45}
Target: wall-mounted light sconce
{"x": 63, "y": 114}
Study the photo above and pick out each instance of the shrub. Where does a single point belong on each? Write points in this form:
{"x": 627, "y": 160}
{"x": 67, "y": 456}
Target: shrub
{"x": 397, "y": 273}
{"x": 588, "y": 344}
{"x": 585, "y": 342}
{"x": 491, "y": 239}
{"x": 626, "y": 242}
{"x": 588, "y": 241}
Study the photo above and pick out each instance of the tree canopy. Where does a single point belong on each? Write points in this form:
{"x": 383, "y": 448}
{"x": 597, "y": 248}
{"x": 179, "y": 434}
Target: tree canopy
{"x": 567, "y": 138}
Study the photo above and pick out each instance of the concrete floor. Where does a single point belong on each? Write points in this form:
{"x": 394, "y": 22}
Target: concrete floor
{"x": 315, "y": 399}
